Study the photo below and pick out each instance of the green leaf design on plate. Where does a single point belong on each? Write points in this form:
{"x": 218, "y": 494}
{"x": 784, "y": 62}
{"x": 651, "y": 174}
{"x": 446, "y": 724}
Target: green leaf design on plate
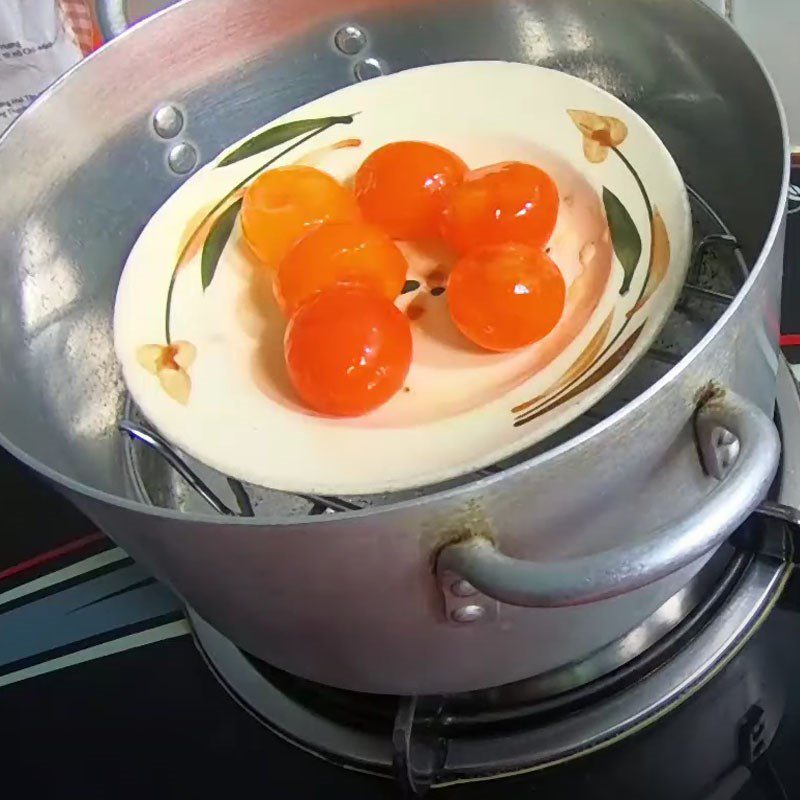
{"x": 624, "y": 236}
{"x": 279, "y": 135}
{"x": 605, "y": 368}
{"x": 215, "y": 242}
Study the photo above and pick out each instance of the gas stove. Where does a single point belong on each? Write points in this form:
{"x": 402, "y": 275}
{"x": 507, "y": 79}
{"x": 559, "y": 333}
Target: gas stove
{"x": 111, "y": 689}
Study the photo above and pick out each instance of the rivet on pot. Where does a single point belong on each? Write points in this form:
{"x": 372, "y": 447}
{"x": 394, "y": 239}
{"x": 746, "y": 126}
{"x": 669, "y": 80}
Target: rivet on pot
{"x": 168, "y": 122}
{"x": 350, "y": 40}
{"x": 471, "y": 613}
{"x": 462, "y": 588}
{"x": 182, "y": 158}
{"x": 368, "y": 68}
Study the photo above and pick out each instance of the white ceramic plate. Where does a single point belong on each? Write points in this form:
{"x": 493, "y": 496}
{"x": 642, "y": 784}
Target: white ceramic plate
{"x": 621, "y": 197}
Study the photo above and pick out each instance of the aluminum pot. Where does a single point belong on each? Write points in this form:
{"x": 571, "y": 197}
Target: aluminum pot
{"x": 579, "y": 543}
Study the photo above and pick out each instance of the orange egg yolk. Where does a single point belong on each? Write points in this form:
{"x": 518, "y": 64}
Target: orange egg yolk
{"x": 283, "y": 204}
{"x": 502, "y": 297}
{"x": 509, "y": 202}
{"x": 348, "y": 350}
{"x": 353, "y": 253}
{"x": 401, "y": 187}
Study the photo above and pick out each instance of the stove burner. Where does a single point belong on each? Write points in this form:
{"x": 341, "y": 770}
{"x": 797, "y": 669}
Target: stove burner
{"x": 543, "y": 697}
{"x": 424, "y": 742}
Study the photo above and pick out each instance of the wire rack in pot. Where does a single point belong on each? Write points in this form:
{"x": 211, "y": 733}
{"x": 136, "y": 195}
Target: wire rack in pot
{"x": 163, "y": 476}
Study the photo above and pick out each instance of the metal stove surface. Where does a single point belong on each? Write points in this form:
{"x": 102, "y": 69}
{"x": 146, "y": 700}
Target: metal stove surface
{"x": 104, "y": 694}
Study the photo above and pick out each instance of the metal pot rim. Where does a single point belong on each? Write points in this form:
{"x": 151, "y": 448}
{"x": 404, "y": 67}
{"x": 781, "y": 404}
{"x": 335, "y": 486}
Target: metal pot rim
{"x": 467, "y": 490}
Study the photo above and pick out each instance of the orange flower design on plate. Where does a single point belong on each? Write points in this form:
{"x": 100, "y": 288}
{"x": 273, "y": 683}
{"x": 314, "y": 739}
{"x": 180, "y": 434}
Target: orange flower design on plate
{"x": 170, "y": 363}
{"x": 599, "y": 133}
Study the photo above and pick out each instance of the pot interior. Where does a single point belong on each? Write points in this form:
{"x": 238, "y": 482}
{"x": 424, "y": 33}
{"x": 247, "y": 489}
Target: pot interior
{"x": 89, "y": 170}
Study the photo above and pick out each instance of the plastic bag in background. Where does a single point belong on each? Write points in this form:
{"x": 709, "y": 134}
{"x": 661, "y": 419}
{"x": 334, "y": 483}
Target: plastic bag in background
{"x": 39, "y": 41}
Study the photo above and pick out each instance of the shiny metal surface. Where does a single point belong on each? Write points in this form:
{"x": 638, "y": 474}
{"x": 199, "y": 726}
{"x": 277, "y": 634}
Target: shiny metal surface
{"x": 182, "y": 158}
{"x": 350, "y": 40}
{"x": 368, "y": 68}
{"x": 462, "y": 588}
{"x": 723, "y": 570}
{"x": 462, "y": 602}
{"x": 779, "y": 511}
{"x": 541, "y": 743}
{"x": 160, "y": 445}
{"x": 468, "y": 613}
{"x": 68, "y": 226}
{"x": 744, "y": 472}
{"x": 168, "y": 121}
{"x": 655, "y": 695}
{"x": 139, "y": 432}
{"x": 719, "y": 447}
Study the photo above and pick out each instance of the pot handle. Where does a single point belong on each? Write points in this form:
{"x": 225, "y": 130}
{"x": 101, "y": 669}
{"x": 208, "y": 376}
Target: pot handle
{"x": 738, "y": 445}
{"x": 112, "y": 17}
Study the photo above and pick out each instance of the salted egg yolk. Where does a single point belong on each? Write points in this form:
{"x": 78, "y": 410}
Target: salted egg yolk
{"x": 283, "y": 204}
{"x": 348, "y": 350}
{"x": 401, "y": 187}
{"x": 353, "y": 253}
{"x": 505, "y": 296}
{"x": 508, "y": 202}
